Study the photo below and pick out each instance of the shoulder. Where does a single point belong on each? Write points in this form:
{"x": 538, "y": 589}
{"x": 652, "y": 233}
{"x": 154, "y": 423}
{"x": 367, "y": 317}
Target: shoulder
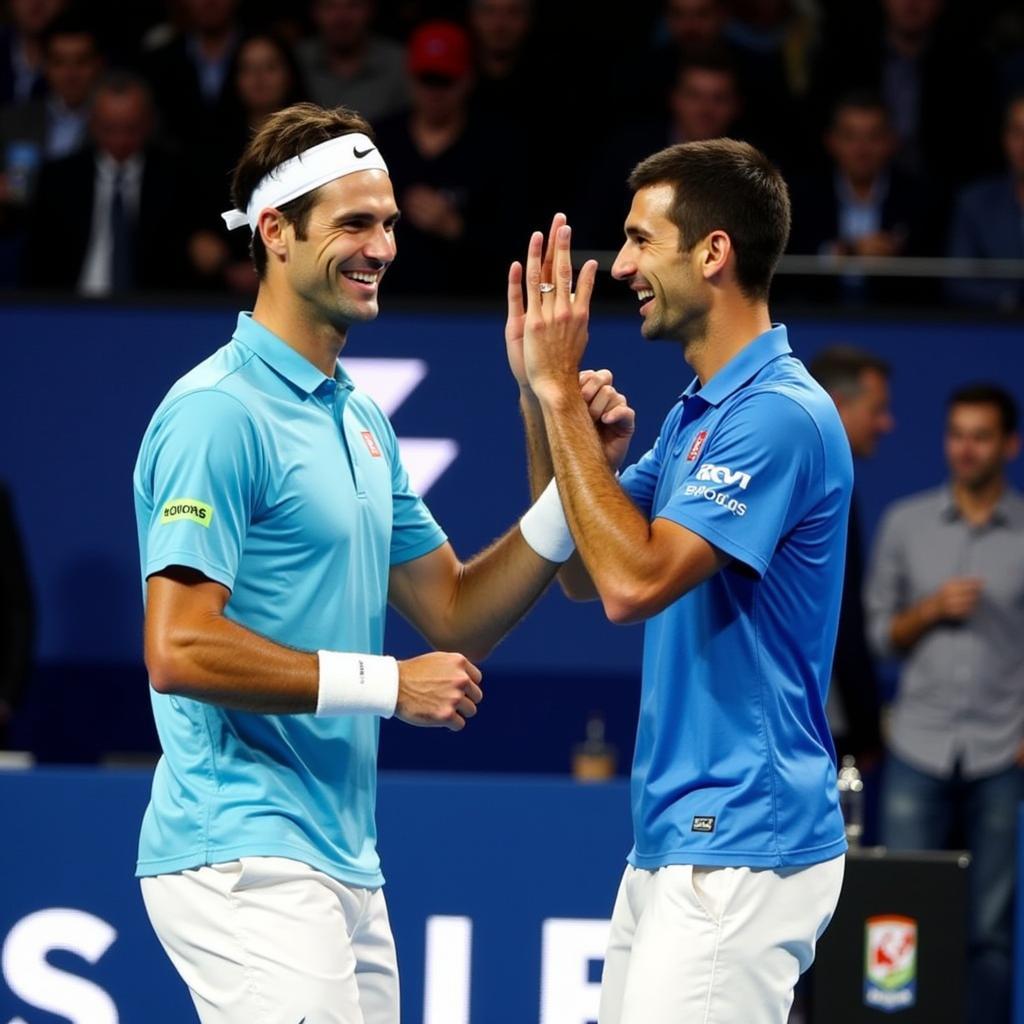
{"x": 913, "y": 508}
{"x": 212, "y": 394}
{"x": 387, "y": 52}
{"x": 74, "y": 166}
{"x": 310, "y": 52}
{"x": 793, "y": 421}
{"x": 980, "y": 196}
{"x": 787, "y": 402}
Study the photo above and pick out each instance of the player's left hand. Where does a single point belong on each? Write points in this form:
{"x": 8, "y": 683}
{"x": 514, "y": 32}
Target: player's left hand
{"x": 555, "y": 333}
{"x": 613, "y": 418}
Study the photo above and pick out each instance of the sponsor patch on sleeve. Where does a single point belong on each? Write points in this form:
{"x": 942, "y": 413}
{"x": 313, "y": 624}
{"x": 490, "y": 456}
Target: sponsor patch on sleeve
{"x": 179, "y": 510}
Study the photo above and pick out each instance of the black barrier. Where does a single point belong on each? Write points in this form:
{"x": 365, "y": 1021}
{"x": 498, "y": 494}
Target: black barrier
{"x": 896, "y": 948}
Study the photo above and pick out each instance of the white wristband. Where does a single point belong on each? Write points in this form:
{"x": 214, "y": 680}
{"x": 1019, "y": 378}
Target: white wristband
{"x": 544, "y": 527}
{"x": 353, "y": 684}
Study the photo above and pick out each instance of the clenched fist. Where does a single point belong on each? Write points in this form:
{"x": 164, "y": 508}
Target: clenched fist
{"x": 439, "y": 689}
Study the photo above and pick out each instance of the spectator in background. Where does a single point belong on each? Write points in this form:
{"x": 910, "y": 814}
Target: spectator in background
{"x": 507, "y": 92}
{"x": 935, "y": 83}
{"x": 705, "y": 104}
{"x": 21, "y": 49}
{"x": 265, "y": 78}
{"x": 346, "y": 64}
{"x": 988, "y": 221}
{"x": 456, "y": 177}
{"x": 858, "y": 383}
{"x": 189, "y": 74}
{"x": 946, "y": 593}
{"x": 864, "y": 206}
{"x": 501, "y": 32}
{"x": 16, "y": 616}
{"x": 772, "y": 43}
{"x": 690, "y": 29}
{"x": 56, "y": 125}
{"x": 110, "y": 218}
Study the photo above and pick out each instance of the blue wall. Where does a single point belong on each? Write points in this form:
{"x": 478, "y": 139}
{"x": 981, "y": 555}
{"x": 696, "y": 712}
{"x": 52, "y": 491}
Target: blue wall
{"x": 503, "y": 856}
{"x": 79, "y": 384}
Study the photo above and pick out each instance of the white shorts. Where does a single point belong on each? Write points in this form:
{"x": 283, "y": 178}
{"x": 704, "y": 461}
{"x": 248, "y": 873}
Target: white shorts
{"x": 701, "y": 945}
{"x": 269, "y": 940}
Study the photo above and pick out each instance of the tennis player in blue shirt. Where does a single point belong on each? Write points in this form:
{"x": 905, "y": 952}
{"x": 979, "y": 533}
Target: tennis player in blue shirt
{"x": 727, "y": 539}
{"x": 275, "y": 523}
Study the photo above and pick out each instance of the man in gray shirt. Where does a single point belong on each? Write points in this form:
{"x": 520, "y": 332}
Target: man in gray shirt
{"x": 345, "y": 63}
{"x": 945, "y": 592}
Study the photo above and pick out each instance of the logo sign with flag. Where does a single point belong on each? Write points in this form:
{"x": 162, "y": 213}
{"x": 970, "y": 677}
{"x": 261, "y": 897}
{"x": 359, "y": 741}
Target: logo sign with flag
{"x": 890, "y": 963}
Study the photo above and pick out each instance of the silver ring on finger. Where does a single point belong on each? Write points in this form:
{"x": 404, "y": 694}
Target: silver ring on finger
{"x": 546, "y": 287}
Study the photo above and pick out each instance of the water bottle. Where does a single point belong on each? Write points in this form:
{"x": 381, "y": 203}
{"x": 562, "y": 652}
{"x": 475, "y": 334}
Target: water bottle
{"x": 851, "y": 799}
{"x": 594, "y": 759}
{"x": 22, "y": 162}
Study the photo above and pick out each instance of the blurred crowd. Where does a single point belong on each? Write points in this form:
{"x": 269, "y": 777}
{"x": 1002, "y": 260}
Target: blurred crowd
{"x": 898, "y": 123}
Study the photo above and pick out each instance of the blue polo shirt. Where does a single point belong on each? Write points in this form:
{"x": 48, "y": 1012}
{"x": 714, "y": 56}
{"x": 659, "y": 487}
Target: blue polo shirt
{"x": 286, "y": 487}
{"x": 734, "y": 762}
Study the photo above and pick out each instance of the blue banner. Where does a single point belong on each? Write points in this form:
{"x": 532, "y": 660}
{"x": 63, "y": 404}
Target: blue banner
{"x": 499, "y": 892}
{"x": 80, "y": 383}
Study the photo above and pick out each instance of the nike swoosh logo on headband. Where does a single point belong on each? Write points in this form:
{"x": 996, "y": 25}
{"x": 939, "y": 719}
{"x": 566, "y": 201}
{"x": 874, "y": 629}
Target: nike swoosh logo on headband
{"x": 359, "y": 155}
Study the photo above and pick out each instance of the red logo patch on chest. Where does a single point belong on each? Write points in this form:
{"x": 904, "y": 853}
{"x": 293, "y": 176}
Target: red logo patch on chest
{"x": 371, "y": 444}
{"x": 698, "y": 444}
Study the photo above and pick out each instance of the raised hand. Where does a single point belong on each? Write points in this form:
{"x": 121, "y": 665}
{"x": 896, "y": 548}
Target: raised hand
{"x": 555, "y": 333}
{"x": 515, "y": 324}
{"x": 440, "y": 690}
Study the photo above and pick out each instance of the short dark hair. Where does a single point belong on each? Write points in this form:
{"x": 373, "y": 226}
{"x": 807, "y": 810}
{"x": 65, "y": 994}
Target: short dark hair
{"x": 839, "y": 368}
{"x": 988, "y": 394}
{"x": 73, "y": 22}
{"x": 858, "y": 99}
{"x": 725, "y": 185}
{"x": 714, "y": 59}
{"x": 281, "y": 137}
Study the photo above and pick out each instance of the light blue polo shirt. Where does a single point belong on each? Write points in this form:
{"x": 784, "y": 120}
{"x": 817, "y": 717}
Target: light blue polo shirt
{"x": 734, "y": 761}
{"x": 287, "y": 487}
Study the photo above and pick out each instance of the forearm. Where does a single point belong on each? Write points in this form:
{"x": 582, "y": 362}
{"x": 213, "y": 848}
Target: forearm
{"x": 216, "y": 660}
{"x": 911, "y": 624}
{"x": 494, "y": 590}
{"x": 573, "y": 577}
{"x": 612, "y": 537}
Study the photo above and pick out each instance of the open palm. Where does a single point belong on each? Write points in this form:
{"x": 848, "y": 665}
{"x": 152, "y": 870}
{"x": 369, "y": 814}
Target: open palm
{"x": 515, "y": 324}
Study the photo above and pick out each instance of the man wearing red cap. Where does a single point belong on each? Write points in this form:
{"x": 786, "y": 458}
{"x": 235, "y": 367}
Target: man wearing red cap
{"x": 452, "y": 174}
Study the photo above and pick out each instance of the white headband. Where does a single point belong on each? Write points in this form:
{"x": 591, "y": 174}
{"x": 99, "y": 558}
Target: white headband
{"x": 308, "y": 171}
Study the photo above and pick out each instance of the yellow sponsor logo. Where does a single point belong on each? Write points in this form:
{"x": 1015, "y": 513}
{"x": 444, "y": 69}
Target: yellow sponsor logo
{"x": 180, "y": 509}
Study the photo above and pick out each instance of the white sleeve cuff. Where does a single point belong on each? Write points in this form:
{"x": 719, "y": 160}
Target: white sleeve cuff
{"x": 354, "y": 684}
{"x": 545, "y": 529}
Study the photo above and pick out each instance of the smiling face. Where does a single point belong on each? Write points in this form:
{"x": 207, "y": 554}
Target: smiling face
{"x": 705, "y": 103}
{"x": 861, "y": 142}
{"x": 72, "y": 66}
{"x": 673, "y": 296}
{"x": 978, "y": 446}
{"x": 335, "y": 265}
{"x": 263, "y": 78}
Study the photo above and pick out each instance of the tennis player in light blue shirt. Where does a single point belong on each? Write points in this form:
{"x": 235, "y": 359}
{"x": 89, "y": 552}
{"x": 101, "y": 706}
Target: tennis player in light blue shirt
{"x": 727, "y": 539}
{"x": 275, "y": 524}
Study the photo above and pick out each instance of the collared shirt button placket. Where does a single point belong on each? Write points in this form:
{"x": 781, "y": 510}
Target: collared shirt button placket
{"x": 342, "y": 393}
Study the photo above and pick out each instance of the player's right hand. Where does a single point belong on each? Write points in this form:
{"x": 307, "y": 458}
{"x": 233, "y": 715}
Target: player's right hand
{"x": 439, "y": 690}
{"x": 957, "y": 598}
{"x": 515, "y": 325}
